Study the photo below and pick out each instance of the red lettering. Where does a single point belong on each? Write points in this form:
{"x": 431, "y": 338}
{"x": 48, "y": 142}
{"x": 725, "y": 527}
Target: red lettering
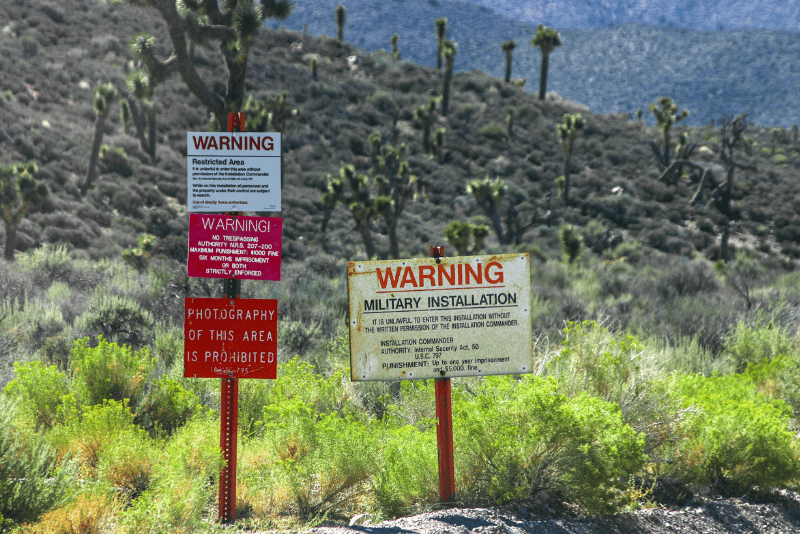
{"x": 426, "y": 272}
{"x": 451, "y": 278}
{"x": 408, "y": 278}
{"x": 478, "y": 276}
{"x": 389, "y": 277}
{"x": 224, "y": 142}
{"x": 200, "y": 141}
{"x": 498, "y": 279}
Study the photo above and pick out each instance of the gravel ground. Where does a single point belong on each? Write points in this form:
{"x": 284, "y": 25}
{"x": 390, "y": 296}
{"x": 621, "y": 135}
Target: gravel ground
{"x": 780, "y": 515}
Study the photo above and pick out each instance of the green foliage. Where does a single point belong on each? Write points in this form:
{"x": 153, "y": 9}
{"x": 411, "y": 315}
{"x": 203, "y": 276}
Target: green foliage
{"x": 666, "y": 116}
{"x": 466, "y": 237}
{"x": 521, "y": 436}
{"x": 494, "y": 131}
{"x": 38, "y": 392}
{"x": 567, "y": 130}
{"x": 408, "y": 475}
{"x": 31, "y": 481}
{"x": 169, "y": 405}
{"x": 117, "y": 318}
{"x": 19, "y": 192}
{"x": 733, "y": 437}
{"x": 110, "y": 371}
{"x": 139, "y": 257}
{"x": 571, "y": 243}
{"x": 270, "y": 115}
{"x": 341, "y": 15}
{"x": 758, "y": 344}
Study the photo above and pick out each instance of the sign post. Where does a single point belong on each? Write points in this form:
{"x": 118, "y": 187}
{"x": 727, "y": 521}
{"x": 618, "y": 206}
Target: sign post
{"x": 438, "y": 318}
{"x": 232, "y": 338}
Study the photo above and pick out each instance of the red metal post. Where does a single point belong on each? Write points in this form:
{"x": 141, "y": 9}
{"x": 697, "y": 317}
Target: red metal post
{"x": 229, "y": 422}
{"x": 229, "y": 400}
{"x": 444, "y": 426}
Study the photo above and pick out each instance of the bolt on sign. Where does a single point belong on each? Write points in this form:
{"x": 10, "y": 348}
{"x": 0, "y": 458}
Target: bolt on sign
{"x": 429, "y": 318}
{"x": 230, "y": 338}
{"x": 234, "y": 171}
{"x": 223, "y": 246}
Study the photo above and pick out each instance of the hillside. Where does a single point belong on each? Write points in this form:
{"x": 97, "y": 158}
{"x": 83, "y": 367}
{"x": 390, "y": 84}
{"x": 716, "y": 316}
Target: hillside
{"x": 618, "y": 68}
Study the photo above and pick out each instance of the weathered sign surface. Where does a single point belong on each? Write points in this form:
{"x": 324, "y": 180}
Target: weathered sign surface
{"x": 234, "y": 171}
{"x": 427, "y": 318}
{"x": 223, "y": 246}
{"x": 230, "y": 338}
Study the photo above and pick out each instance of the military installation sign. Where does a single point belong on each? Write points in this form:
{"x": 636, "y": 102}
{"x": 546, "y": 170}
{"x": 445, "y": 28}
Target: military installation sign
{"x": 434, "y": 318}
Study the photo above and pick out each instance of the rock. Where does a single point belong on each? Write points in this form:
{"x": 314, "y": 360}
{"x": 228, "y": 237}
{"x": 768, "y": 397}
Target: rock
{"x": 359, "y": 519}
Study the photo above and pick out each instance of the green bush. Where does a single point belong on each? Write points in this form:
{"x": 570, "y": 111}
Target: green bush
{"x": 518, "y": 437}
{"x": 733, "y": 437}
{"x": 117, "y": 318}
{"x": 110, "y": 371}
{"x": 169, "y": 406}
{"x": 39, "y": 392}
{"x": 408, "y": 474}
{"x": 757, "y": 344}
{"x": 31, "y": 481}
{"x": 494, "y": 131}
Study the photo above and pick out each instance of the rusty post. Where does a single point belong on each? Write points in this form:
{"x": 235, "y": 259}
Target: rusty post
{"x": 229, "y": 399}
{"x": 444, "y": 425}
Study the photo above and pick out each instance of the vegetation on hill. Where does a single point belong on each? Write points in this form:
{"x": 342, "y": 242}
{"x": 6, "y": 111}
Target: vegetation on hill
{"x": 665, "y": 291}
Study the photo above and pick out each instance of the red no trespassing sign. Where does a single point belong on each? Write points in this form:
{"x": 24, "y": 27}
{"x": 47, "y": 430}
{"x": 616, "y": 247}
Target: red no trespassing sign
{"x": 230, "y": 338}
{"x": 223, "y": 246}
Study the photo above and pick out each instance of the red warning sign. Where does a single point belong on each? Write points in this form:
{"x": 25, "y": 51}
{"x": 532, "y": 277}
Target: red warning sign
{"x": 224, "y": 246}
{"x": 230, "y": 338}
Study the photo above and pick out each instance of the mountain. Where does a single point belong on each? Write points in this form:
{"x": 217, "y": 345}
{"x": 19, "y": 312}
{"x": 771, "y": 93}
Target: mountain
{"x": 704, "y": 15}
{"x": 609, "y": 69}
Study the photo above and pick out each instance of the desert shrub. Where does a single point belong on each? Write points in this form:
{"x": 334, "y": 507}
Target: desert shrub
{"x": 110, "y": 371}
{"x": 182, "y": 483}
{"x": 521, "y": 436}
{"x": 383, "y": 102}
{"x": 408, "y": 474}
{"x": 31, "y": 481}
{"x": 89, "y": 513}
{"x": 322, "y": 463}
{"x": 48, "y": 264}
{"x": 31, "y": 322}
{"x": 757, "y": 344}
{"x": 297, "y": 338}
{"x": 733, "y": 437}
{"x": 127, "y": 466}
{"x": 169, "y": 405}
{"x": 38, "y": 391}
{"x": 86, "y": 431}
{"x": 117, "y": 318}
{"x": 494, "y": 131}
{"x": 689, "y": 278}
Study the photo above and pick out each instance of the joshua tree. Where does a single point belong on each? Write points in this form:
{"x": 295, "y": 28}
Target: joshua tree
{"x": 571, "y": 243}
{"x": 395, "y": 52}
{"x": 144, "y": 119}
{"x": 19, "y": 191}
{"x": 314, "y": 67}
{"x": 508, "y": 47}
{"x": 546, "y": 39}
{"x": 340, "y": 18}
{"x": 393, "y": 187}
{"x": 489, "y": 193}
{"x": 437, "y": 147}
{"x": 449, "y": 51}
{"x": 666, "y": 117}
{"x": 104, "y": 96}
{"x": 441, "y": 31}
{"x": 427, "y": 114}
{"x": 567, "y": 130}
{"x": 269, "y": 116}
{"x": 498, "y": 202}
{"x": 234, "y": 25}
{"x": 352, "y": 190}
{"x": 510, "y": 120}
{"x": 461, "y": 233}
